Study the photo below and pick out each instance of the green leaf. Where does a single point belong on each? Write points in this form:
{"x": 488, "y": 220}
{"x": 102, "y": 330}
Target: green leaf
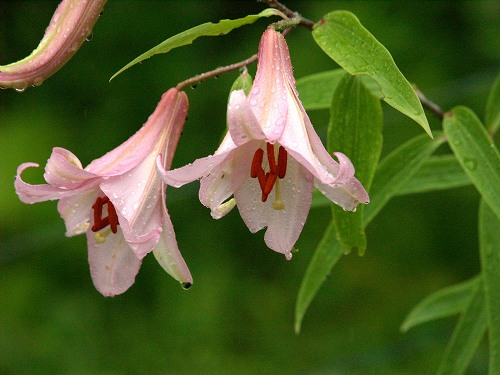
{"x": 243, "y": 82}
{"x": 345, "y": 40}
{"x": 476, "y": 152}
{"x": 492, "y": 113}
{"x": 489, "y": 244}
{"x": 436, "y": 173}
{"x": 396, "y": 169}
{"x": 355, "y": 129}
{"x": 205, "y": 29}
{"x": 326, "y": 255}
{"x": 316, "y": 90}
{"x": 466, "y": 337}
{"x": 445, "y": 302}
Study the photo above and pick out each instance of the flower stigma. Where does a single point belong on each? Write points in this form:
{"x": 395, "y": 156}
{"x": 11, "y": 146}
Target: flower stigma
{"x": 277, "y": 170}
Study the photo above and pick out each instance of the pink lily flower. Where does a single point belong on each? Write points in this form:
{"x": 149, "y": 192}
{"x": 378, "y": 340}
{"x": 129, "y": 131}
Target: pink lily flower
{"x": 70, "y": 25}
{"x": 271, "y": 158}
{"x": 118, "y": 200}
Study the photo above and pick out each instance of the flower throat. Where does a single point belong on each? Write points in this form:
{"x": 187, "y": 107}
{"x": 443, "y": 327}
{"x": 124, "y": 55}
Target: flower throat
{"x": 277, "y": 170}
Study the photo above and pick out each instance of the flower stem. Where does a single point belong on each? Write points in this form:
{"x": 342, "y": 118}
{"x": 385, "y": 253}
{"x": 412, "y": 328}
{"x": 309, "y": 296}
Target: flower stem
{"x": 433, "y": 107}
{"x": 214, "y": 73}
{"x": 290, "y": 13}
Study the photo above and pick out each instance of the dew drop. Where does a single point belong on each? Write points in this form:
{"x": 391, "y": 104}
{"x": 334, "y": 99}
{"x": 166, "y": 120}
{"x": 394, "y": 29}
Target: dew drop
{"x": 186, "y": 286}
{"x": 37, "y": 81}
{"x": 20, "y": 89}
{"x": 470, "y": 164}
{"x": 89, "y": 37}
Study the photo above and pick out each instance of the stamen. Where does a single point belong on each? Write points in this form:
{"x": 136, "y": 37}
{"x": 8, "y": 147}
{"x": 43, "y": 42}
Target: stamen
{"x": 256, "y": 162}
{"x": 270, "y": 180}
{"x": 113, "y": 217}
{"x": 99, "y": 221}
{"x": 270, "y": 158}
{"x": 282, "y": 162}
{"x": 261, "y": 177}
{"x": 276, "y": 170}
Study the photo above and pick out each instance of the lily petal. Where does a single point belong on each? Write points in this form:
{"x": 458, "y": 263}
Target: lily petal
{"x": 76, "y": 211}
{"x": 191, "y": 172}
{"x": 65, "y": 170}
{"x": 216, "y": 187}
{"x": 169, "y": 113}
{"x": 71, "y": 23}
{"x": 113, "y": 266}
{"x": 243, "y": 126}
{"x": 283, "y": 226}
{"x": 168, "y": 255}
{"x": 29, "y": 193}
{"x": 273, "y": 71}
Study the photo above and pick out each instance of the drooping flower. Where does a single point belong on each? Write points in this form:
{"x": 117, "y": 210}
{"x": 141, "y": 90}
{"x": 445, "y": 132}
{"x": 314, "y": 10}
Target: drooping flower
{"x": 119, "y": 200}
{"x": 70, "y": 25}
{"x": 271, "y": 158}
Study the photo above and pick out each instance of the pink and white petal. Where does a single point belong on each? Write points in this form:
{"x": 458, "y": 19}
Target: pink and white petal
{"x": 139, "y": 216}
{"x": 267, "y": 97}
{"x": 216, "y": 187}
{"x": 242, "y": 163}
{"x": 64, "y": 170}
{"x": 43, "y": 192}
{"x": 347, "y": 195}
{"x": 76, "y": 211}
{"x": 284, "y": 226}
{"x": 252, "y": 210}
{"x": 136, "y": 193}
{"x": 113, "y": 266}
{"x": 192, "y": 172}
{"x": 297, "y": 142}
{"x": 170, "y": 111}
{"x": 243, "y": 125}
{"x": 168, "y": 255}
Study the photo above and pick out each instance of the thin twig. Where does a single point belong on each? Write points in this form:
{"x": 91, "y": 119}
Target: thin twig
{"x": 290, "y": 13}
{"x": 431, "y": 106}
{"x": 214, "y": 73}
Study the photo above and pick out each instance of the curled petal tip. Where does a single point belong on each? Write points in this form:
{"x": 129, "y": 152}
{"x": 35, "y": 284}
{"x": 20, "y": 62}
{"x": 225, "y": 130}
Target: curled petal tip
{"x": 69, "y": 27}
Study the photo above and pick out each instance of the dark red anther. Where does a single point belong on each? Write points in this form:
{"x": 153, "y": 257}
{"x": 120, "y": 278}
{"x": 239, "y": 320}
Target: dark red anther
{"x": 256, "y": 162}
{"x": 102, "y": 222}
{"x": 113, "y": 217}
{"x": 270, "y": 158}
{"x": 270, "y": 180}
{"x": 261, "y": 177}
{"x": 282, "y": 161}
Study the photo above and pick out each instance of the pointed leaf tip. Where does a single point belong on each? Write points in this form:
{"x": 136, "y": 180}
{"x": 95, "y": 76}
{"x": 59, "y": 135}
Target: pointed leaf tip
{"x": 354, "y": 48}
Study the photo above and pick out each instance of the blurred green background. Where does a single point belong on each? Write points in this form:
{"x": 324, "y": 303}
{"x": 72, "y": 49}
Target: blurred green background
{"x": 238, "y": 317}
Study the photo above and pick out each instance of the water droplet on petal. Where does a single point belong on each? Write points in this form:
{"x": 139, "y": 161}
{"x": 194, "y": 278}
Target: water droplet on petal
{"x": 20, "y": 89}
{"x": 89, "y": 37}
{"x": 186, "y": 286}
